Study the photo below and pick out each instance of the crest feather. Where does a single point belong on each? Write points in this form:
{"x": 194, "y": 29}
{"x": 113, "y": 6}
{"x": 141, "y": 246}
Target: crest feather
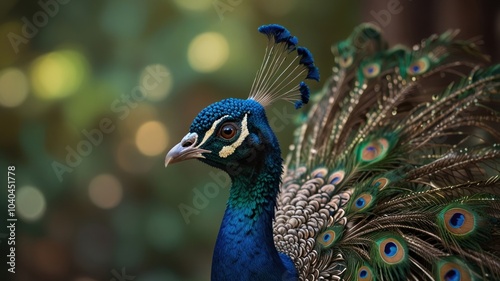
{"x": 284, "y": 67}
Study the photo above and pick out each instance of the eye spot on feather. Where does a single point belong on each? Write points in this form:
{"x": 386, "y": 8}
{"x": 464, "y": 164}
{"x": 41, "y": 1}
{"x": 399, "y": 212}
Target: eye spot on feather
{"x": 371, "y": 70}
{"x": 336, "y": 177}
{"x": 453, "y": 271}
{"x": 374, "y": 150}
{"x": 391, "y": 250}
{"x": 459, "y": 221}
{"x": 345, "y": 61}
{"x": 319, "y": 173}
{"x": 381, "y": 183}
{"x": 370, "y": 153}
{"x": 365, "y": 273}
{"x": 452, "y": 275}
{"x": 327, "y": 238}
{"x": 418, "y": 67}
{"x": 362, "y": 202}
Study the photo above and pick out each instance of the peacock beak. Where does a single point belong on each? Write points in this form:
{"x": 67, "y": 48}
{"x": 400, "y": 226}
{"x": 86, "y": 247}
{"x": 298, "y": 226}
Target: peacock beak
{"x": 185, "y": 150}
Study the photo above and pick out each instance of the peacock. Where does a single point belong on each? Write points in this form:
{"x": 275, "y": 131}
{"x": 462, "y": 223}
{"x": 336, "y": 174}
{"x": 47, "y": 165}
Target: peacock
{"x": 394, "y": 172}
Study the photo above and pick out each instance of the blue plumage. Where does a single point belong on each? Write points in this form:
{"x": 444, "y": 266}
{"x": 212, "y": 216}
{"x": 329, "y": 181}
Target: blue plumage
{"x": 312, "y": 73}
{"x": 307, "y": 60}
{"x": 244, "y": 249}
{"x": 304, "y": 95}
{"x": 280, "y": 35}
{"x": 231, "y": 106}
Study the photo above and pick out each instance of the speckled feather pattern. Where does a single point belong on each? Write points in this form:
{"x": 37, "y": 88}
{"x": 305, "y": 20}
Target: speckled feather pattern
{"x": 303, "y": 209}
{"x": 206, "y": 117}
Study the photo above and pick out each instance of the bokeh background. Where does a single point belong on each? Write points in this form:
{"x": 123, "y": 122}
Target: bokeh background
{"x": 94, "y": 93}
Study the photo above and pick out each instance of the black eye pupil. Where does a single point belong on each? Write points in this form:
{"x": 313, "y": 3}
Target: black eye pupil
{"x": 228, "y": 131}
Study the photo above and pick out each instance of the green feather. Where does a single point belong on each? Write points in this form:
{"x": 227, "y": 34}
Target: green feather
{"x": 390, "y": 256}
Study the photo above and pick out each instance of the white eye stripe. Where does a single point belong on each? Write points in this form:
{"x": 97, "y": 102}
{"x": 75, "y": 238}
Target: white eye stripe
{"x": 229, "y": 149}
{"x": 212, "y": 130}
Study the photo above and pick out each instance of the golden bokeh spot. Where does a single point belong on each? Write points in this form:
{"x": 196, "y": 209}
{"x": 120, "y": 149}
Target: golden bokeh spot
{"x": 208, "y": 51}
{"x": 13, "y": 87}
{"x": 156, "y": 81}
{"x": 30, "y": 203}
{"x": 151, "y": 138}
{"x": 105, "y": 191}
{"x": 58, "y": 74}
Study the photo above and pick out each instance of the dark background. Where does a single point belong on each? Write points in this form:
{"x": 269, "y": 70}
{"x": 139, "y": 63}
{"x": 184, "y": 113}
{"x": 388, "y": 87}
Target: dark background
{"x": 113, "y": 209}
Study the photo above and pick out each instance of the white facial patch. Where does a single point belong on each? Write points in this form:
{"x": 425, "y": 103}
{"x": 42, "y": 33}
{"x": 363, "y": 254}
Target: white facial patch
{"x": 212, "y": 129}
{"x": 229, "y": 149}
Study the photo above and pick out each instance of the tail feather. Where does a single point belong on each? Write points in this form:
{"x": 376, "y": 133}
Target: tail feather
{"x": 395, "y": 172}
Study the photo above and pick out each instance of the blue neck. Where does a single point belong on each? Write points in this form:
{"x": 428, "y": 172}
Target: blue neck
{"x": 245, "y": 248}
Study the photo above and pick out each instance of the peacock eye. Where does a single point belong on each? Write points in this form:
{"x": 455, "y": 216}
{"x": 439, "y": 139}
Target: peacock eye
{"x": 228, "y": 131}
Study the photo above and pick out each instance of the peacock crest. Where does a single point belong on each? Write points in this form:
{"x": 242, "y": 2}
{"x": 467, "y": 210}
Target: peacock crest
{"x": 393, "y": 174}
{"x": 275, "y": 78}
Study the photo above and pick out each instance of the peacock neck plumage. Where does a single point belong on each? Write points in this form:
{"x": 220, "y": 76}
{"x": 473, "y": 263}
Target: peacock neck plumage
{"x": 245, "y": 248}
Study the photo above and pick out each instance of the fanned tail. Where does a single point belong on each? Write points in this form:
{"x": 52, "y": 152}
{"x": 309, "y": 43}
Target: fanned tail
{"x": 395, "y": 173}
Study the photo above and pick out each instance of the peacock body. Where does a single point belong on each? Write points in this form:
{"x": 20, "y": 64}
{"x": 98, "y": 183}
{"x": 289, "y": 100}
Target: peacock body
{"x": 393, "y": 175}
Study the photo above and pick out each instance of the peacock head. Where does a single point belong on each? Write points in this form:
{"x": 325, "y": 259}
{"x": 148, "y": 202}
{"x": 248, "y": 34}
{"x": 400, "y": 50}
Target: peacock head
{"x": 228, "y": 131}
{"x": 236, "y": 131}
